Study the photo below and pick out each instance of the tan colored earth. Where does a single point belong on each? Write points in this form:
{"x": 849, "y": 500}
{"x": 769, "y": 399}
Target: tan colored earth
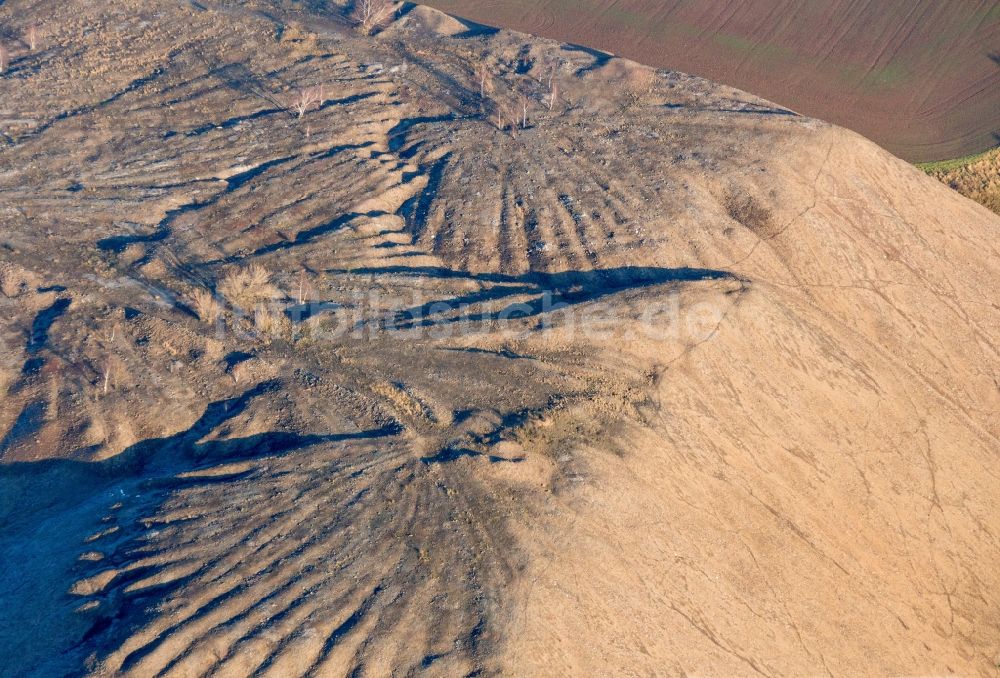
{"x": 664, "y": 381}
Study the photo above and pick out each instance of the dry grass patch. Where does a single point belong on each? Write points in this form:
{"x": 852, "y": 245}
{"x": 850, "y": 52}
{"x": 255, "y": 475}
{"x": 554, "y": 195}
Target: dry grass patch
{"x": 206, "y": 306}
{"x": 976, "y": 177}
{"x": 271, "y": 322}
{"x": 15, "y": 281}
{"x": 247, "y": 287}
{"x": 747, "y": 210}
{"x": 637, "y": 86}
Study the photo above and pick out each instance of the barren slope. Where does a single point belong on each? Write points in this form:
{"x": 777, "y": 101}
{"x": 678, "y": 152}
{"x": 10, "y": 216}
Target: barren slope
{"x": 670, "y": 381}
{"x": 919, "y": 77}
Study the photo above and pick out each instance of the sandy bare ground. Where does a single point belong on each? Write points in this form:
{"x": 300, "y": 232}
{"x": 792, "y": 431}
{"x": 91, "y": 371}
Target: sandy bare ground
{"x": 667, "y": 381}
{"x": 920, "y": 77}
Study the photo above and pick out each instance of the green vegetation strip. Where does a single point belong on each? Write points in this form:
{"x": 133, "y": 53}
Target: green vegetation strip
{"x": 955, "y": 163}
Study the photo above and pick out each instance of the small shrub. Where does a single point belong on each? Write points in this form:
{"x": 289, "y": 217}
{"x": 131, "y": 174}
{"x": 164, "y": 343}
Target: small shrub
{"x": 247, "y": 286}
{"x": 306, "y": 99}
{"x": 270, "y": 322}
{"x": 15, "y": 281}
{"x": 112, "y": 371}
{"x": 523, "y": 103}
{"x": 10, "y": 283}
{"x": 745, "y": 209}
{"x": 206, "y": 306}
{"x": 371, "y": 15}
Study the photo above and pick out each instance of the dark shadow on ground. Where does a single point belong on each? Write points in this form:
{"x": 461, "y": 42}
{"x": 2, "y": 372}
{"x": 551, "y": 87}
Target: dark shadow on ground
{"x": 600, "y": 58}
{"x": 746, "y": 109}
{"x": 40, "y": 326}
{"x": 474, "y": 29}
{"x": 540, "y": 293}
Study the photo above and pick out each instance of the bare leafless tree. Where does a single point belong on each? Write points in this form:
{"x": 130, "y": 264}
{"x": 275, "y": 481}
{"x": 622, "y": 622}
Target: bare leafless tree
{"x": 111, "y": 372}
{"x": 484, "y": 75}
{"x": 512, "y": 111}
{"x": 553, "y": 70}
{"x": 524, "y": 101}
{"x": 551, "y": 82}
{"x": 307, "y": 98}
{"x": 371, "y": 15}
{"x": 31, "y": 37}
{"x": 505, "y": 113}
{"x": 4, "y": 58}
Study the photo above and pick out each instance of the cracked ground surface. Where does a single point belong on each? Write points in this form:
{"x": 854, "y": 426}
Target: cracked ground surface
{"x": 668, "y": 381}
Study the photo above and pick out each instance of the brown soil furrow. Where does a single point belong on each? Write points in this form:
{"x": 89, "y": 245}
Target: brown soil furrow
{"x": 515, "y": 244}
{"x": 871, "y": 66}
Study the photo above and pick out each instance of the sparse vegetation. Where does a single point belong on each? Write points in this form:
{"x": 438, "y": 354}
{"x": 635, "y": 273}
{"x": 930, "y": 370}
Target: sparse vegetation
{"x": 206, "y": 306}
{"x": 484, "y": 76}
{"x": 745, "y": 209}
{"x": 271, "y": 322}
{"x": 4, "y": 59}
{"x": 31, "y": 37}
{"x": 976, "y": 177}
{"x": 636, "y": 89}
{"x": 525, "y": 101}
{"x": 371, "y": 15}
{"x": 246, "y": 287}
{"x": 306, "y": 99}
{"x": 14, "y": 281}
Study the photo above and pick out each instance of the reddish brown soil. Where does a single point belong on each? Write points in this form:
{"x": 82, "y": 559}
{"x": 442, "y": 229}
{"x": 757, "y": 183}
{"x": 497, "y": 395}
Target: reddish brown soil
{"x": 920, "y": 77}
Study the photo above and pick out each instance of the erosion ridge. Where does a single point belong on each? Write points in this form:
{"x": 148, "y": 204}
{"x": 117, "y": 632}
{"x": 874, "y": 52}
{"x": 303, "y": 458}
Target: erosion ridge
{"x": 666, "y": 379}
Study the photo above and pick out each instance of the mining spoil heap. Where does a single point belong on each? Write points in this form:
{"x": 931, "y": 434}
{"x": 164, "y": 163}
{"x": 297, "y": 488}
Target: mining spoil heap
{"x": 670, "y": 380}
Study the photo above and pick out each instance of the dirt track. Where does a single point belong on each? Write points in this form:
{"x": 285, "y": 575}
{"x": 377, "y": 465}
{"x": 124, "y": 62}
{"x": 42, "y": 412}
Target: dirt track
{"x": 670, "y": 379}
{"x": 920, "y": 78}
